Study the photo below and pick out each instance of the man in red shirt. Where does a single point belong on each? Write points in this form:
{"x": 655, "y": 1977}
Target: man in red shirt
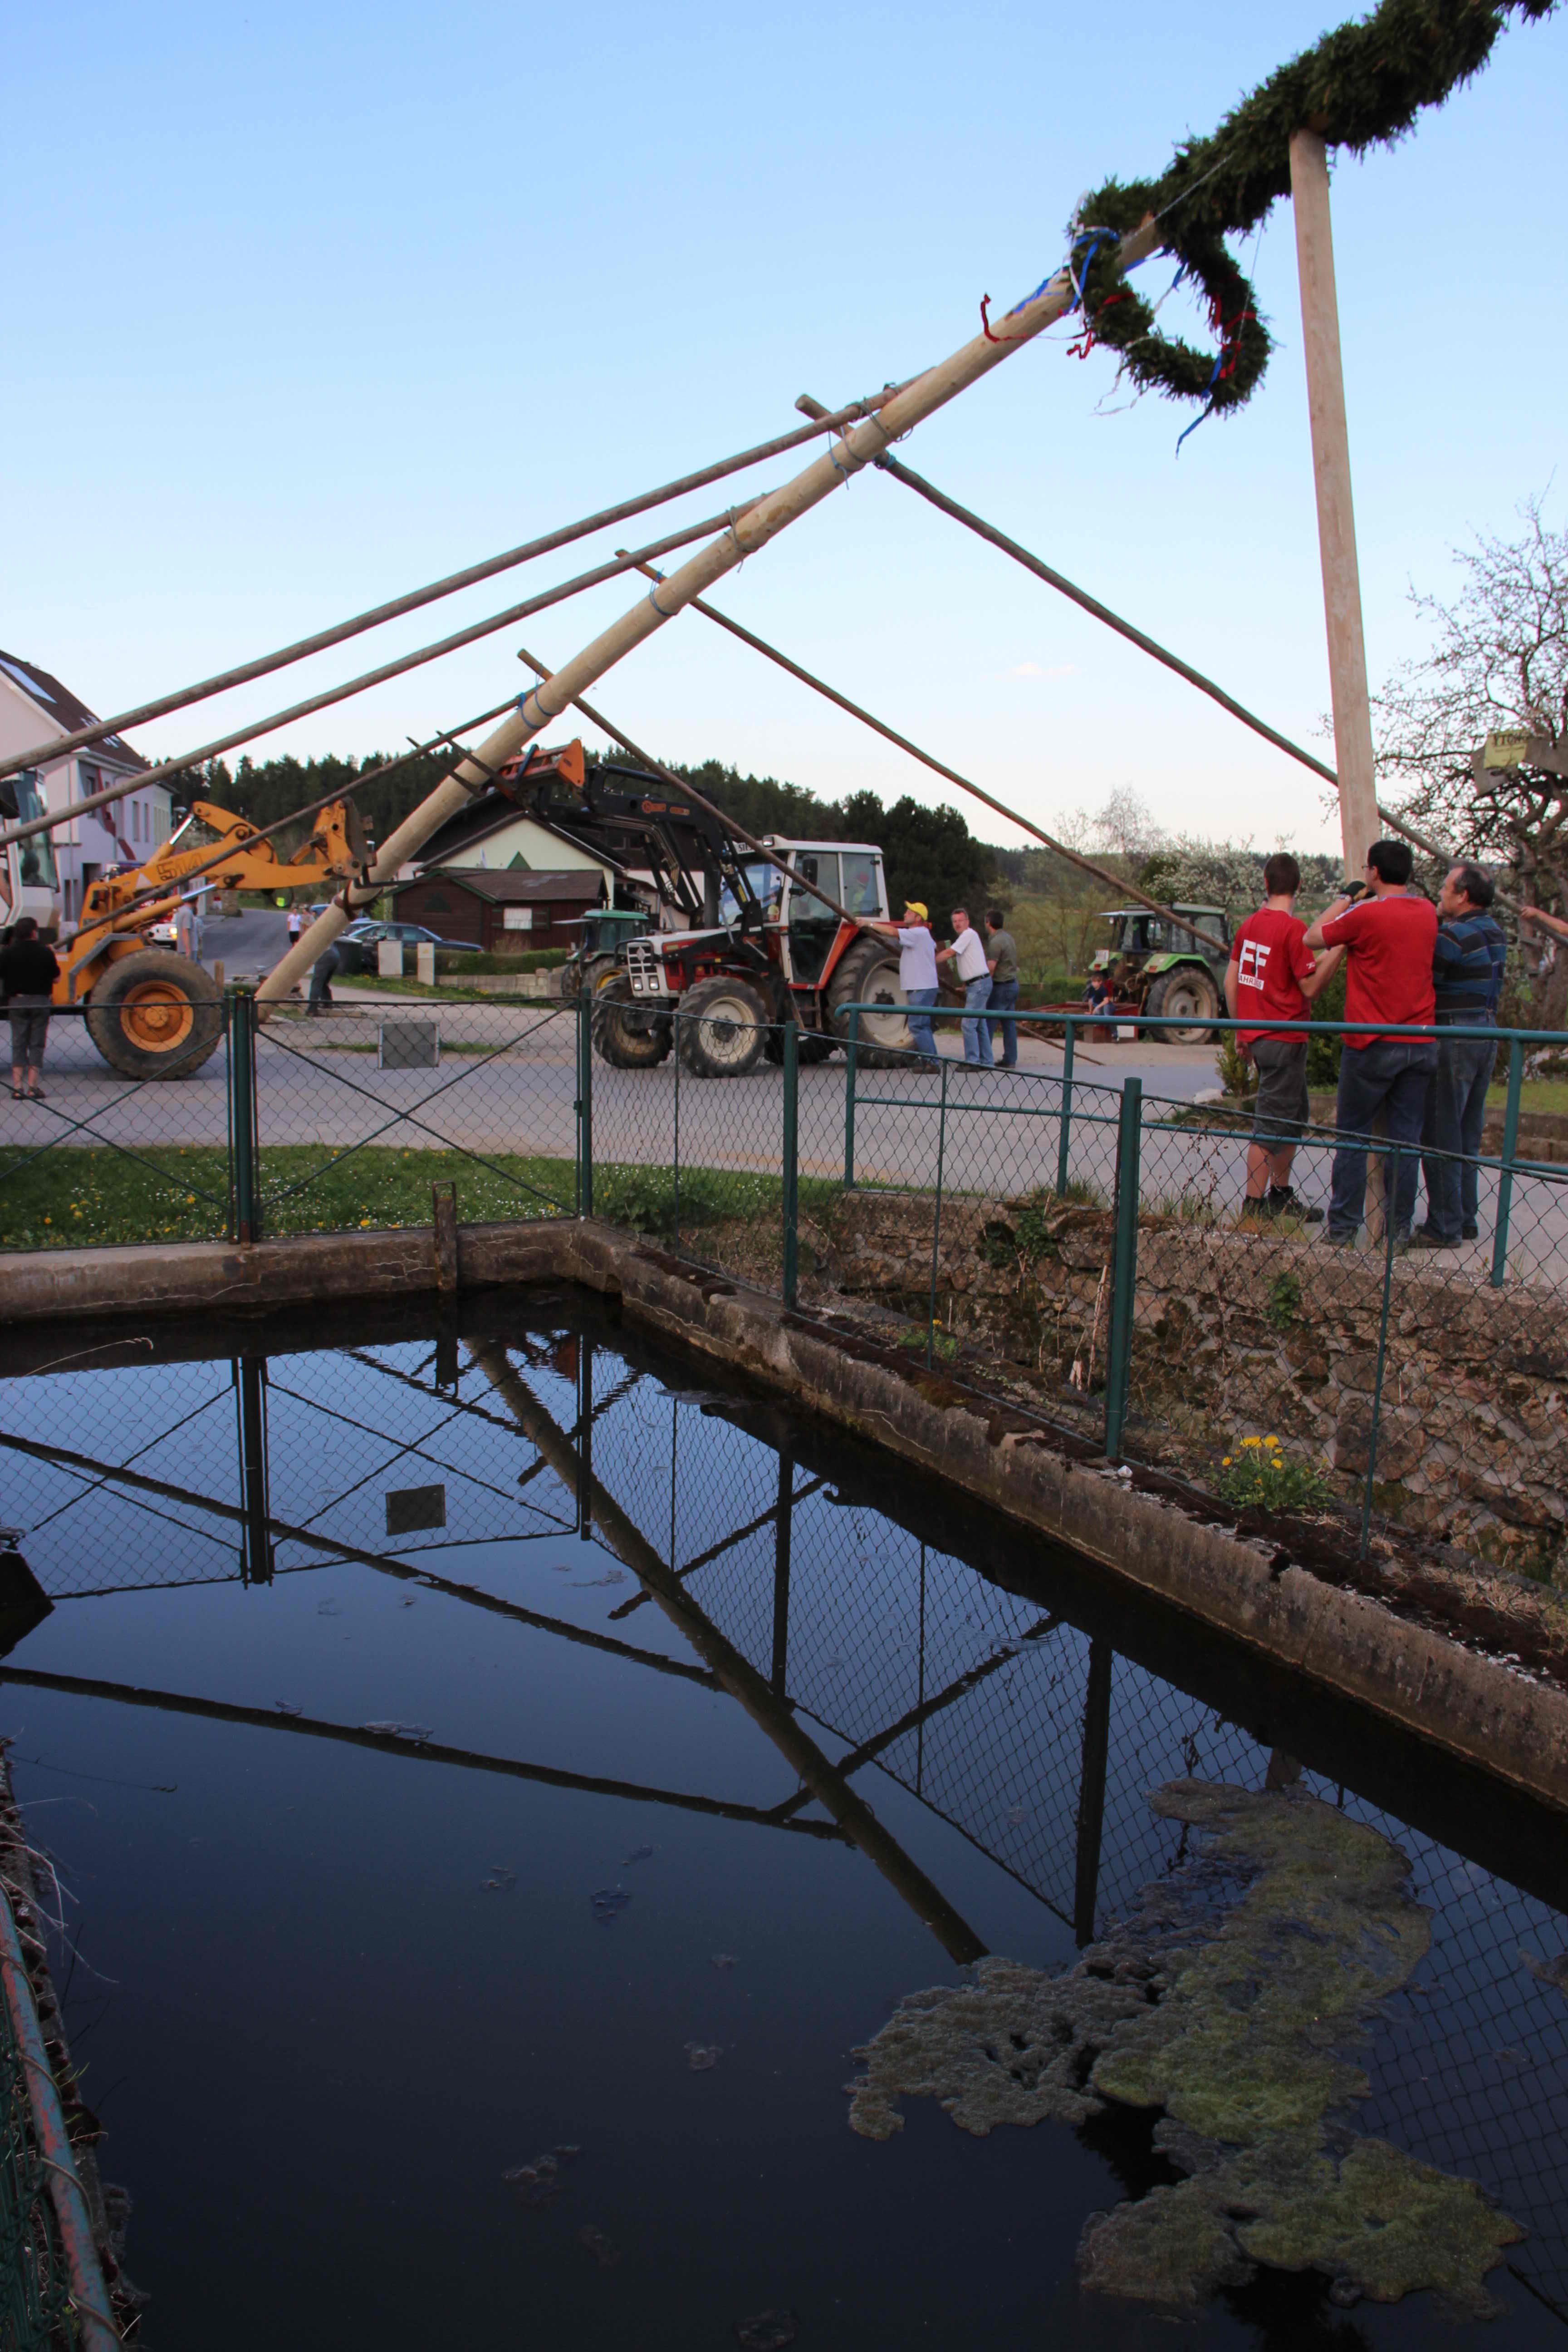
{"x": 1273, "y": 974}
{"x": 1390, "y": 937}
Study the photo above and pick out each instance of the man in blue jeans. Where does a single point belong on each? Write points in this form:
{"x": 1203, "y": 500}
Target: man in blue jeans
{"x": 1002, "y": 959}
{"x": 1467, "y": 975}
{"x": 968, "y": 953}
{"x": 1390, "y": 939}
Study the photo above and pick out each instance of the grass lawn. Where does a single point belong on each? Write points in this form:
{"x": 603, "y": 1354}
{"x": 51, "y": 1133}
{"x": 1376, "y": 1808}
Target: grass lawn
{"x": 1536, "y": 1094}
{"x": 71, "y": 1197}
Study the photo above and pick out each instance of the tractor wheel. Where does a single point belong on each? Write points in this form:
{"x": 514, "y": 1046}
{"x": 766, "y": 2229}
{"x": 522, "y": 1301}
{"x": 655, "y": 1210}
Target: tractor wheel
{"x": 596, "y": 975}
{"x": 868, "y": 974}
{"x": 1187, "y": 994}
{"x": 626, "y": 1035}
{"x": 723, "y": 1027}
{"x": 810, "y": 1045}
{"x": 154, "y": 1015}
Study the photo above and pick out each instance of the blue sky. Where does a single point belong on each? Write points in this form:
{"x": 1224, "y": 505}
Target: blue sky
{"x": 312, "y": 304}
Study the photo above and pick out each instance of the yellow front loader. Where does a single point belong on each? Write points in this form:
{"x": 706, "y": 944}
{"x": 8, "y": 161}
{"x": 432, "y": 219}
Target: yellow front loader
{"x": 152, "y": 1014}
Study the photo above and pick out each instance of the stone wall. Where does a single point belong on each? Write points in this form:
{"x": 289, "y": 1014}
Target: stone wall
{"x": 1240, "y": 1333}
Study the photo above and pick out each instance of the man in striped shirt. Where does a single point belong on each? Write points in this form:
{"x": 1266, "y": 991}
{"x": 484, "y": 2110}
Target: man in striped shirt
{"x": 1466, "y": 976}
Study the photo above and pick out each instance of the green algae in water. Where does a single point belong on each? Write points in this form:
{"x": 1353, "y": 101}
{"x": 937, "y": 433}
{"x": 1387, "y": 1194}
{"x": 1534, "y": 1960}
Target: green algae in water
{"x": 1236, "y": 2000}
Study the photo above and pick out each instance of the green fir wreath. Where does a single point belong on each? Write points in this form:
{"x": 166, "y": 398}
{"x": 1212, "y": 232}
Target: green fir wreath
{"x": 1363, "y": 86}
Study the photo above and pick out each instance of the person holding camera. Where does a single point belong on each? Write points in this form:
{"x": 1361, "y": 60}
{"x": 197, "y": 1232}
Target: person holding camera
{"x": 1390, "y": 939}
{"x": 1273, "y": 972}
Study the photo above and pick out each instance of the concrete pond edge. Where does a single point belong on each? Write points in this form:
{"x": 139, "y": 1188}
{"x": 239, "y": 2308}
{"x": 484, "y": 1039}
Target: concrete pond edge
{"x": 1473, "y": 1706}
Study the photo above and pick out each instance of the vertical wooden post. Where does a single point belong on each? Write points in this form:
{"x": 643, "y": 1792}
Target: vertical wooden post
{"x": 1358, "y": 823}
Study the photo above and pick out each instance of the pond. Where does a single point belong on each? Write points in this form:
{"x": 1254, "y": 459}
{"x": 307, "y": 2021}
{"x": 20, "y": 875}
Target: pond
{"x": 500, "y": 1775}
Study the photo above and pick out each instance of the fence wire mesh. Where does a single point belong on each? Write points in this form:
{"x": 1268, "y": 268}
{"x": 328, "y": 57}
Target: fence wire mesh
{"x": 358, "y": 1110}
{"x": 101, "y": 1154}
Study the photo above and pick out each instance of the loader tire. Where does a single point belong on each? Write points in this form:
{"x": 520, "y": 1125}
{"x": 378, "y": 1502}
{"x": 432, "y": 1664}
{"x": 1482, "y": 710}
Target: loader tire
{"x": 724, "y": 1028}
{"x": 1186, "y": 993}
{"x": 156, "y": 1015}
{"x": 626, "y": 1035}
{"x": 870, "y": 975}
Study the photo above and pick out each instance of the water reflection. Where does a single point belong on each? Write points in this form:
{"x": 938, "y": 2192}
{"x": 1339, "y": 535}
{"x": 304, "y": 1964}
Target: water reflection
{"x": 874, "y": 1634}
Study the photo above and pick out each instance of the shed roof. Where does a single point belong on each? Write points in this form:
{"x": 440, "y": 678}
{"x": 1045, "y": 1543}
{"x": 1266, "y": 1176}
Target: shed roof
{"x": 58, "y": 703}
{"x": 516, "y": 886}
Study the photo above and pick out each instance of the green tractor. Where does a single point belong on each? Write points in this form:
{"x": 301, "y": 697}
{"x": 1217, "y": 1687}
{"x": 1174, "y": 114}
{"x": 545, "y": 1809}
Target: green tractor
{"x": 1163, "y": 970}
{"x": 596, "y": 958}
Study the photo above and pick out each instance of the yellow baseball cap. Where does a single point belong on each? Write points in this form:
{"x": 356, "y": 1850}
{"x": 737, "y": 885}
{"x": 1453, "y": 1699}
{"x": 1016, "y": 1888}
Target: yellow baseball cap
{"x": 913, "y": 906}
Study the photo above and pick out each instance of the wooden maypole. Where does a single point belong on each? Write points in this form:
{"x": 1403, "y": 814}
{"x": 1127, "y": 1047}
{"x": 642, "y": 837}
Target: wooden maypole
{"x": 1359, "y": 822}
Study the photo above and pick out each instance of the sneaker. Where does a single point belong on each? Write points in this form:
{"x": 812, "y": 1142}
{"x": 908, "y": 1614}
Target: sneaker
{"x": 1470, "y": 1233}
{"x": 1339, "y": 1241}
{"x": 1424, "y": 1238}
{"x": 1284, "y": 1203}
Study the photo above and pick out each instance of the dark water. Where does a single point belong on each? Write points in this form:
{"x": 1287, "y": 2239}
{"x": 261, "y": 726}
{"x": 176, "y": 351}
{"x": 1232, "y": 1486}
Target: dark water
{"x": 330, "y": 1990}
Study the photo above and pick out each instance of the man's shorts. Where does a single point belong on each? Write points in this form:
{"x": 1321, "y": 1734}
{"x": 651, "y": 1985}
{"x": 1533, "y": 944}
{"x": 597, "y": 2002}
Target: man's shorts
{"x": 1282, "y": 1105}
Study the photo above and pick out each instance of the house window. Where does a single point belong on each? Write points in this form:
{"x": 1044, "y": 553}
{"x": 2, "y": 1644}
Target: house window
{"x": 517, "y": 918}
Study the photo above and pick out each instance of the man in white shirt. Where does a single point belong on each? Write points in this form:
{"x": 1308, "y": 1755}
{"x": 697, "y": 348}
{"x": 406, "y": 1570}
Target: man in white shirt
{"x": 968, "y": 953}
{"x": 917, "y": 974}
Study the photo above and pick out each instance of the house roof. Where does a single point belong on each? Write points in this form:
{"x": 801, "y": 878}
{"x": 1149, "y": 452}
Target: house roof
{"x": 514, "y": 886}
{"x": 57, "y": 703}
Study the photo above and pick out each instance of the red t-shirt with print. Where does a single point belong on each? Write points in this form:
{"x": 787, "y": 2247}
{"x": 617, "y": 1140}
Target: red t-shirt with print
{"x": 1388, "y": 971}
{"x": 1270, "y": 960}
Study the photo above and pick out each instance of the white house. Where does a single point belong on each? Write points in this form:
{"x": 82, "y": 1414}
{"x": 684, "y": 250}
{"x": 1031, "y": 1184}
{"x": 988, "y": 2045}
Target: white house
{"x": 35, "y": 707}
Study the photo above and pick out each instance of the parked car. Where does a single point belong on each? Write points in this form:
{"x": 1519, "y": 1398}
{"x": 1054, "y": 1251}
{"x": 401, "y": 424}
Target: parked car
{"x": 357, "y": 948}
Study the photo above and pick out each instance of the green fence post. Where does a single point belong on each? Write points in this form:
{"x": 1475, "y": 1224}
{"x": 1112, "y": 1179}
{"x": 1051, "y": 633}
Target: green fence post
{"x": 244, "y": 1144}
{"x": 936, "y": 1219}
{"x": 584, "y": 1108}
{"x": 1064, "y": 1129}
{"x": 852, "y": 1063}
{"x": 791, "y": 1157}
{"x": 675, "y": 1055}
{"x": 1391, "y": 1194}
{"x": 1510, "y": 1146}
{"x": 1123, "y": 1267}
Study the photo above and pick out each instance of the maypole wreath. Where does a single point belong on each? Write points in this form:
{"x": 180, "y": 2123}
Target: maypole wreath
{"x": 1363, "y": 86}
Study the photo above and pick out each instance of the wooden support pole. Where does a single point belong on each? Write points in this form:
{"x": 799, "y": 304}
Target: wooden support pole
{"x": 1358, "y": 823}
{"x": 748, "y": 532}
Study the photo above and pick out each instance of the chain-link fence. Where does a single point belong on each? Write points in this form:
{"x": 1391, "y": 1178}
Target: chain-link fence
{"x": 119, "y": 1139}
{"x": 1249, "y": 1309}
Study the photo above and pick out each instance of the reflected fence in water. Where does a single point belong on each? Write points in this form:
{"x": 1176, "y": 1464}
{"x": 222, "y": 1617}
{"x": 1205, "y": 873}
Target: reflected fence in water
{"x": 1032, "y": 1735}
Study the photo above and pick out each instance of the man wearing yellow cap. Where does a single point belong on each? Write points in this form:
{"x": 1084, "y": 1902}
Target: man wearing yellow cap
{"x": 917, "y": 974}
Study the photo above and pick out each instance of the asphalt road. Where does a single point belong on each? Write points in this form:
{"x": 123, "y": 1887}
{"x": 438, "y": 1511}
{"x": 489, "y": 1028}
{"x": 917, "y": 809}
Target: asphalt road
{"x": 247, "y": 944}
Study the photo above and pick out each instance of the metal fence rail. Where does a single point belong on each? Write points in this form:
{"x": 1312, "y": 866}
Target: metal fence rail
{"x": 1075, "y": 1242}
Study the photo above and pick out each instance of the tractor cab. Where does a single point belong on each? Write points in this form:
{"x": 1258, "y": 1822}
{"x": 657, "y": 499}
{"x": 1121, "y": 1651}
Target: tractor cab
{"x": 849, "y": 872}
{"x": 1138, "y": 935}
{"x": 28, "y": 880}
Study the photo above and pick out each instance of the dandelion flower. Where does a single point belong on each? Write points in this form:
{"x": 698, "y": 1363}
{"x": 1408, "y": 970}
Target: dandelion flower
{"x": 1252, "y": 1441}
{"x": 1271, "y": 1441}
{"x": 1226, "y": 1463}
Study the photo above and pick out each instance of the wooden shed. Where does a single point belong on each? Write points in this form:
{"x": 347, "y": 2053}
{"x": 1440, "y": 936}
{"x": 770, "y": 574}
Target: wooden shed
{"x": 506, "y": 912}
